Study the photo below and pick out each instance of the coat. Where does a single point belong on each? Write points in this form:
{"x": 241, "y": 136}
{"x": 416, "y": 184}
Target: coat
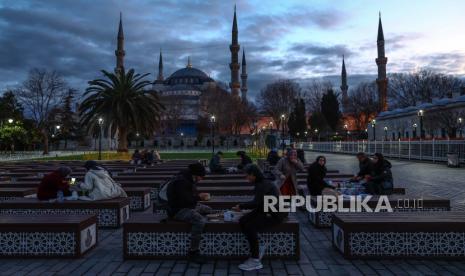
{"x": 182, "y": 193}
{"x": 100, "y": 186}
{"x": 51, "y": 184}
{"x": 285, "y": 168}
{"x": 315, "y": 179}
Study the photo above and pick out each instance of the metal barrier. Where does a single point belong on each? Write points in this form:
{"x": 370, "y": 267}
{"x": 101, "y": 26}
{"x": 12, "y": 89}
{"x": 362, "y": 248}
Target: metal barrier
{"x": 428, "y": 150}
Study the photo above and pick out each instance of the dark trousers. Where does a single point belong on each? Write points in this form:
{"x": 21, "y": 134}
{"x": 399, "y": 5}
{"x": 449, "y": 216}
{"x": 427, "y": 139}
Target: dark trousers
{"x": 253, "y": 222}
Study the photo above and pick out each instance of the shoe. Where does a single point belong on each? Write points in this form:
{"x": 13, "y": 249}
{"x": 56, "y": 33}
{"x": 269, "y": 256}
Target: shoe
{"x": 195, "y": 257}
{"x": 251, "y": 264}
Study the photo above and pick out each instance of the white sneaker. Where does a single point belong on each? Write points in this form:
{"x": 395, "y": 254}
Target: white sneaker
{"x": 251, "y": 264}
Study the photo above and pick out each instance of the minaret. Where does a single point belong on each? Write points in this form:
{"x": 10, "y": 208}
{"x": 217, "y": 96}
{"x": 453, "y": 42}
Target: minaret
{"x": 189, "y": 64}
{"x": 381, "y": 61}
{"x": 234, "y": 65}
{"x": 119, "y": 52}
{"x": 244, "y": 78}
{"x": 344, "y": 87}
{"x": 160, "y": 68}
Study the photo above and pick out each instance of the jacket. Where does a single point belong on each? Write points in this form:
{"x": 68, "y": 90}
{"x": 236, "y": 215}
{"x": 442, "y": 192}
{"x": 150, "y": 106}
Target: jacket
{"x": 245, "y": 160}
{"x": 215, "y": 164}
{"x": 272, "y": 158}
{"x": 182, "y": 193}
{"x": 382, "y": 173}
{"x": 315, "y": 179}
{"x": 366, "y": 167}
{"x": 285, "y": 168}
{"x": 101, "y": 186}
{"x": 263, "y": 188}
{"x": 51, "y": 184}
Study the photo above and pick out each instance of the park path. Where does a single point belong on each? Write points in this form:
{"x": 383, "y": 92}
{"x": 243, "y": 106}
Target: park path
{"x": 418, "y": 178}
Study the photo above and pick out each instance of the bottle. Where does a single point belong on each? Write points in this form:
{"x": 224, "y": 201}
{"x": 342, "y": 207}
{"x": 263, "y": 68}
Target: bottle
{"x": 60, "y": 196}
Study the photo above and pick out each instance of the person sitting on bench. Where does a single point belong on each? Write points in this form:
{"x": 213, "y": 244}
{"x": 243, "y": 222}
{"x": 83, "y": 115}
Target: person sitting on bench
{"x": 215, "y": 164}
{"x": 380, "y": 181}
{"x": 272, "y": 157}
{"x": 98, "y": 184}
{"x": 316, "y": 175}
{"x": 257, "y": 220}
{"x": 183, "y": 205}
{"x": 245, "y": 159}
{"x": 365, "y": 166}
{"x": 286, "y": 172}
{"x": 136, "y": 158}
{"x": 54, "y": 182}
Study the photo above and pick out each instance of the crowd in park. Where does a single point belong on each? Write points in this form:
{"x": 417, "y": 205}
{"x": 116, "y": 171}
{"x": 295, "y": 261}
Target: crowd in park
{"x": 183, "y": 199}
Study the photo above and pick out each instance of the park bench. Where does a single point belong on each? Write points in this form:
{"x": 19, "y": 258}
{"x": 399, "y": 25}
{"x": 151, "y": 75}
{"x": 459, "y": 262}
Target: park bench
{"x": 149, "y": 236}
{"x": 14, "y": 193}
{"x": 217, "y": 203}
{"x": 139, "y": 198}
{"x": 303, "y": 190}
{"x": 399, "y": 203}
{"x": 227, "y": 190}
{"x": 47, "y": 235}
{"x": 110, "y": 213}
{"x": 400, "y": 235}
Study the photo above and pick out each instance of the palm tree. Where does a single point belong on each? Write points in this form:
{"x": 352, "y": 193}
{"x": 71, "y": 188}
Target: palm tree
{"x": 123, "y": 103}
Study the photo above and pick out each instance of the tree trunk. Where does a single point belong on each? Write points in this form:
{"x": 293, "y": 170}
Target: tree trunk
{"x": 45, "y": 141}
{"x": 122, "y": 140}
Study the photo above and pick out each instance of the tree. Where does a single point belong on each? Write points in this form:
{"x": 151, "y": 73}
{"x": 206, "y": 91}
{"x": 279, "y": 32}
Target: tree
{"x": 69, "y": 124}
{"x": 120, "y": 99}
{"x": 11, "y": 134}
{"x": 277, "y": 98}
{"x": 317, "y": 122}
{"x": 363, "y": 104}
{"x": 314, "y": 94}
{"x": 10, "y": 108}
{"x": 40, "y": 94}
{"x": 330, "y": 109}
{"x": 410, "y": 89}
{"x": 447, "y": 119}
{"x": 297, "y": 122}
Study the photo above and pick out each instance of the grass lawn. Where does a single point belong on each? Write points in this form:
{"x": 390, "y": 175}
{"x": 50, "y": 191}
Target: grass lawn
{"x": 164, "y": 156}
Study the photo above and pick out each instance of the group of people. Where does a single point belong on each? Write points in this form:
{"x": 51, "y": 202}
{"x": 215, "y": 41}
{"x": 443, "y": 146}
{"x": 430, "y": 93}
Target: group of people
{"x": 146, "y": 157}
{"x": 374, "y": 173}
{"x": 216, "y": 167}
{"x": 97, "y": 184}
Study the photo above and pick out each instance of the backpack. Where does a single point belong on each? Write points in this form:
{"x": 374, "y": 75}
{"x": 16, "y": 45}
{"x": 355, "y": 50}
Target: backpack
{"x": 161, "y": 202}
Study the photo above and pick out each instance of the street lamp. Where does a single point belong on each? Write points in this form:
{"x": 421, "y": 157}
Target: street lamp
{"x": 10, "y": 121}
{"x": 283, "y": 117}
{"x": 373, "y": 125}
{"x": 385, "y": 133}
{"x": 460, "y": 126}
{"x": 415, "y": 130}
{"x": 420, "y": 114}
{"x": 317, "y": 133}
{"x": 347, "y": 131}
{"x": 212, "y": 128}
{"x": 271, "y": 125}
{"x": 100, "y": 124}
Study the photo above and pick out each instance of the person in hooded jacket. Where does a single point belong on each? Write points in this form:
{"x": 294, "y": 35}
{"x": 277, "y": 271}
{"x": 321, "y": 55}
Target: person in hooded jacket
{"x": 54, "y": 182}
{"x": 273, "y": 157}
{"x": 98, "y": 183}
{"x": 380, "y": 182}
{"x": 316, "y": 175}
{"x": 245, "y": 159}
{"x": 257, "y": 220}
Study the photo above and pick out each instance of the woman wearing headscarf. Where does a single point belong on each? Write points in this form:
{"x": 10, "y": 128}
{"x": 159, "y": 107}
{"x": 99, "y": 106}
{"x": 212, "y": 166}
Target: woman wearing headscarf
{"x": 99, "y": 184}
{"x": 316, "y": 175}
{"x": 257, "y": 220}
{"x": 380, "y": 181}
{"x": 286, "y": 170}
{"x": 54, "y": 182}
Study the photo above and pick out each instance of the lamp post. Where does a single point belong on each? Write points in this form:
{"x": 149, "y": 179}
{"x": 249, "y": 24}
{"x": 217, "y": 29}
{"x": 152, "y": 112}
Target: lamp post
{"x": 283, "y": 117}
{"x": 305, "y": 133}
{"x": 420, "y": 114}
{"x": 347, "y": 131}
{"x": 460, "y": 126}
{"x": 317, "y": 133}
{"x": 212, "y": 126}
{"x": 373, "y": 125}
{"x": 415, "y": 131}
{"x": 10, "y": 121}
{"x": 100, "y": 124}
{"x": 385, "y": 133}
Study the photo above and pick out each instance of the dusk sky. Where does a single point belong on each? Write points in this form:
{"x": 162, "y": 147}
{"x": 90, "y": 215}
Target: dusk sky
{"x": 283, "y": 39}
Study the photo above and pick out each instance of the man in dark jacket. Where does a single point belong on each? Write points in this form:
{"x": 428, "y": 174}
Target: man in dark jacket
{"x": 182, "y": 205}
{"x": 365, "y": 166}
{"x": 380, "y": 182}
{"x": 215, "y": 164}
{"x": 245, "y": 159}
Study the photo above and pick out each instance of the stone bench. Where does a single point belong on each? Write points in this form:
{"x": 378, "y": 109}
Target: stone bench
{"x": 47, "y": 235}
{"x": 400, "y": 235}
{"x": 15, "y": 193}
{"x": 139, "y": 198}
{"x": 399, "y": 203}
{"x": 147, "y": 236}
{"x": 217, "y": 203}
{"x": 303, "y": 190}
{"x": 110, "y": 213}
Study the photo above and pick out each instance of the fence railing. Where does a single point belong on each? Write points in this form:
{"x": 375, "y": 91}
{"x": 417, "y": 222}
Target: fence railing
{"x": 428, "y": 150}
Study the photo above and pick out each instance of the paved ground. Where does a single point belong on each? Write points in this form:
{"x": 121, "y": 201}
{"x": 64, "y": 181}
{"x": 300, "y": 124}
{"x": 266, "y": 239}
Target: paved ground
{"x": 317, "y": 255}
